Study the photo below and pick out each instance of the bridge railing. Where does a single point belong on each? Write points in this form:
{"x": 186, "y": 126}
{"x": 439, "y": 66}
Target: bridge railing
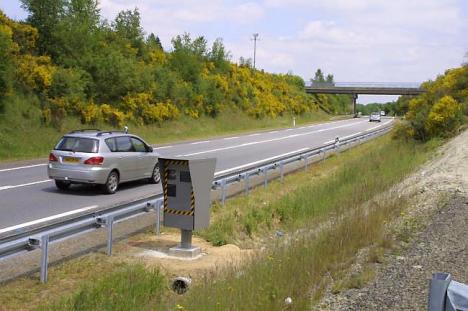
{"x": 405, "y": 85}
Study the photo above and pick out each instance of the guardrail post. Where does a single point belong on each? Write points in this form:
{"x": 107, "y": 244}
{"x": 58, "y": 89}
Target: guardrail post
{"x": 323, "y": 153}
{"x": 337, "y": 144}
{"x": 44, "y": 257}
{"x": 223, "y": 191}
{"x": 158, "y": 217}
{"x": 110, "y": 226}
{"x": 265, "y": 174}
{"x": 281, "y": 171}
{"x": 306, "y": 164}
{"x": 246, "y": 176}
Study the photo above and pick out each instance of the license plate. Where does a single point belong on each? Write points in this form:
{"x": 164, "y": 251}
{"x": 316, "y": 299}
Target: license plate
{"x": 71, "y": 160}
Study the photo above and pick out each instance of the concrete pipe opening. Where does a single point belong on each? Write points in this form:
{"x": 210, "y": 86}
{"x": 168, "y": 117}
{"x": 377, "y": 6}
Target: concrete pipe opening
{"x": 180, "y": 285}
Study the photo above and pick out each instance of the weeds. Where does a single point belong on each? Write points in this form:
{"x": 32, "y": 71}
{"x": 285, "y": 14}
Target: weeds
{"x": 129, "y": 288}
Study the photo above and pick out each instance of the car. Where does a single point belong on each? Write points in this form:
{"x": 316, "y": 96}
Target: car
{"x": 382, "y": 113}
{"x": 105, "y": 158}
{"x": 374, "y": 116}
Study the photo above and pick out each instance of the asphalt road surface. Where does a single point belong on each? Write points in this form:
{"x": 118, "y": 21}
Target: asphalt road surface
{"x": 27, "y": 195}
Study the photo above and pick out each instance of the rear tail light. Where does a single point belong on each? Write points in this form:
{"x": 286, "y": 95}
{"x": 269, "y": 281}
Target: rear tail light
{"x": 94, "y": 161}
{"x": 52, "y": 157}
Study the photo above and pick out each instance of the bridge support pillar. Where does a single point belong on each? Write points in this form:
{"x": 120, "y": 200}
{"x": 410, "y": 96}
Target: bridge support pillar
{"x": 355, "y": 96}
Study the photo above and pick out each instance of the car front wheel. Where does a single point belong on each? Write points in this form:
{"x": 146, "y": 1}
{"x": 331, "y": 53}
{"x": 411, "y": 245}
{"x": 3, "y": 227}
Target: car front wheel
{"x": 155, "y": 176}
{"x": 62, "y": 185}
{"x": 112, "y": 183}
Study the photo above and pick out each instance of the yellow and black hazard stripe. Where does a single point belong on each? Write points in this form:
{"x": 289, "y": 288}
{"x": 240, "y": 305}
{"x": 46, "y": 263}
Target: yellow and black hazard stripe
{"x": 177, "y": 212}
{"x": 165, "y": 177}
{"x": 192, "y": 202}
{"x": 175, "y": 162}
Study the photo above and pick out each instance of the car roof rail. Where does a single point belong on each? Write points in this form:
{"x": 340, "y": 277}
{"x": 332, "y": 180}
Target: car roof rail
{"x": 84, "y": 130}
{"x": 109, "y": 132}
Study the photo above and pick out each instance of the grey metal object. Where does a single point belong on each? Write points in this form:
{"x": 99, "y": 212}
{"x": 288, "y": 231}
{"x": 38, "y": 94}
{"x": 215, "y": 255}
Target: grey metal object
{"x": 438, "y": 291}
{"x": 446, "y": 294}
{"x": 457, "y": 296}
{"x": 186, "y": 238}
{"x": 186, "y": 191}
{"x": 27, "y": 239}
{"x": 369, "y": 88}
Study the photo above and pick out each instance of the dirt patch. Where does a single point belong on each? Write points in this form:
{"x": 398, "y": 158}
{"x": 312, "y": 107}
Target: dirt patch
{"x": 152, "y": 250}
{"x": 431, "y": 233}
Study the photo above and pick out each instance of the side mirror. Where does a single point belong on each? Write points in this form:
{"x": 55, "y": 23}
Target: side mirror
{"x": 149, "y": 149}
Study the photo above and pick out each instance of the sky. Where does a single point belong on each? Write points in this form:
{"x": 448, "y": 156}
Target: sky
{"x": 355, "y": 40}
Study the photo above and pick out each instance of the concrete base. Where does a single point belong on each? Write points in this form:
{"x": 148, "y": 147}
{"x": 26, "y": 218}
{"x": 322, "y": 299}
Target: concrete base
{"x": 178, "y": 251}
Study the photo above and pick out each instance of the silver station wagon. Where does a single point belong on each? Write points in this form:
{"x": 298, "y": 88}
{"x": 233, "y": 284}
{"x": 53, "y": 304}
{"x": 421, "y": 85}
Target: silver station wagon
{"x": 105, "y": 158}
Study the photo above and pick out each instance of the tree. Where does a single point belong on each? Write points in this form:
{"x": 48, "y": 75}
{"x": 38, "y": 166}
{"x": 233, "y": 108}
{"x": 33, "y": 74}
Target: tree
{"x": 127, "y": 24}
{"x": 329, "y": 79}
{"x": 219, "y": 56}
{"x": 153, "y": 42}
{"x": 45, "y": 15}
{"x": 318, "y": 77}
{"x": 6, "y": 63}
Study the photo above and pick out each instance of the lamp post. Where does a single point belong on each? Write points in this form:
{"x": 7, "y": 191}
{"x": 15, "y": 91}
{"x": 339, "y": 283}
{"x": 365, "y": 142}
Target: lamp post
{"x": 255, "y": 38}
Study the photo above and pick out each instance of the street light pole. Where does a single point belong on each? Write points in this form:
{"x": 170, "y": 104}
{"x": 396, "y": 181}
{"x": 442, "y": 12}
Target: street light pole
{"x": 255, "y": 38}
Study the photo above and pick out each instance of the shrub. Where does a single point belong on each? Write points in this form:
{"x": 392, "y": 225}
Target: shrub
{"x": 35, "y": 72}
{"x": 444, "y": 117}
{"x": 112, "y": 116}
{"x": 90, "y": 114}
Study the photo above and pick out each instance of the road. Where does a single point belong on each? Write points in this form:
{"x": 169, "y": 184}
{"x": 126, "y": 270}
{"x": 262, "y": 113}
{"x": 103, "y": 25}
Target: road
{"x": 27, "y": 196}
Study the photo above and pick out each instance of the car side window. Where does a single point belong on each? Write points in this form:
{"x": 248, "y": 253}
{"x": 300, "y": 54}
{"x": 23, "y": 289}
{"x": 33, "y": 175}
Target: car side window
{"x": 110, "y": 142}
{"x": 124, "y": 144}
{"x": 138, "y": 145}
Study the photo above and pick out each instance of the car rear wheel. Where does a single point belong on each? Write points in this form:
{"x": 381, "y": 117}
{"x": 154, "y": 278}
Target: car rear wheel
{"x": 112, "y": 183}
{"x": 155, "y": 177}
{"x": 62, "y": 185}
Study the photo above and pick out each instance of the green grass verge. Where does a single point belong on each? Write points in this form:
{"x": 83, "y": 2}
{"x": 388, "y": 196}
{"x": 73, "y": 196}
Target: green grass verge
{"x": 129, "y": 288}
{"x": 345, "y": 180}
{"x": 298, "y": 269}
{"x": 22, "y": 136}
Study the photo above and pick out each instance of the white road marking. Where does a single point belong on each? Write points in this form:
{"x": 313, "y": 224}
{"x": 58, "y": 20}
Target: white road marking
{"x": 329, "y": 142}
{"x": 263, "y": 141}
{"x": 229, "y": 138}
{"x": 37, "y": 221}
{"x": 24, "y": 185}
{"x": 379, "y": 125}
{"x": 164, "y": 147}
{"x": 272, "y": 132}
{"x": 286, "y": 130}
{"x": 200, "y": 142}
{"x": 22, "y": 167}
{"x": 256, "y": 134}
{"x": 344, "y": 137}
{"x": 256, "y": 162}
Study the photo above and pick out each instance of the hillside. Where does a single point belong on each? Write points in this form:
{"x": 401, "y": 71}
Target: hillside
{"x": 65, "y": 66}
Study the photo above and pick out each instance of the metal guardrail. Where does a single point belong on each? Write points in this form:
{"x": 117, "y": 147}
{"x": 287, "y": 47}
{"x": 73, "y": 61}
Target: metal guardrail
{"x": 26, "y": 240}
{"x": 415, "y": 85}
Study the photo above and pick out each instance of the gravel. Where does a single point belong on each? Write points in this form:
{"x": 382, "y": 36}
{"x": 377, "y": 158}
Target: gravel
{"x": 440, "y": 204}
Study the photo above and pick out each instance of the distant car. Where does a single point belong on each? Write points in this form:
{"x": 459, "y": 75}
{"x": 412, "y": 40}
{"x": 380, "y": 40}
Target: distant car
{"x": 375, "y": 116}
{"x": 382, "y": 113}
{"x": 105, "y": 158}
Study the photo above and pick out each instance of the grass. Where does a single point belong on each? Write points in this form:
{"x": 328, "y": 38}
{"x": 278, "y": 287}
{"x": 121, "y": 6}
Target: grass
{"x": 329, "y": 196}
{"x": 297, "y": 269}
{"x": 330, "y": 187}
{"x": 129, "y": 288}
{"x": 22, "y": 136}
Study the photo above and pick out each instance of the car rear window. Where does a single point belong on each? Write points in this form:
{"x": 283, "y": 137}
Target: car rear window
{"x": 78, "y": 144}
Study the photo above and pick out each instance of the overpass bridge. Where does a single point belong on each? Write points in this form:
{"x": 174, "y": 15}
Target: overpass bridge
{"x": 365, "y": 88}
